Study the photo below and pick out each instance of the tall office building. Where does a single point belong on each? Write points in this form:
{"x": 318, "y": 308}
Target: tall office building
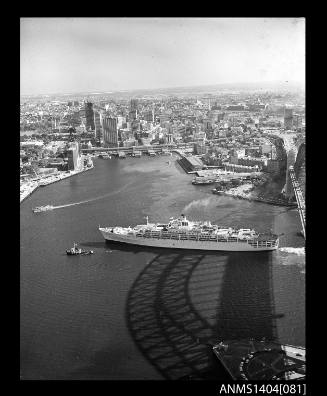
{"x": 132, "y": 116}
{"x": 288, "y": 118}
{"x": 134, "y": 104}
{"x": 73, "y": 155}
{"x": 97, "y": 126}
{"x": 121, "y": 121}
{"x": 149, "y": 116}
{"x": 110, "y": 131}
{"x": 89, "y": 115}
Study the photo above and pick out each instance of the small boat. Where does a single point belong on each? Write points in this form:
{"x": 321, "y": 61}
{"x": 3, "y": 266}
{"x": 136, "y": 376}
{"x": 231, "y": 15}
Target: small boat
{"x": 42, "y": 208}
{"x": 215, "y": 191}
{"x": 74, "y": 251}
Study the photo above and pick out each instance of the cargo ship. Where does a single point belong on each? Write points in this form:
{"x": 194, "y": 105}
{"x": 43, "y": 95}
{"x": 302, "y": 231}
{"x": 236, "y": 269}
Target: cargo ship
{"x": 250, "y": 359}
{"x": 180, "y": 233}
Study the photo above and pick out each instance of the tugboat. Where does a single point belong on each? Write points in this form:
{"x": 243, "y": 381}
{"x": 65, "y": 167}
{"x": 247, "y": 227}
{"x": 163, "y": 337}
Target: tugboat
{"x": 74, "y": 251}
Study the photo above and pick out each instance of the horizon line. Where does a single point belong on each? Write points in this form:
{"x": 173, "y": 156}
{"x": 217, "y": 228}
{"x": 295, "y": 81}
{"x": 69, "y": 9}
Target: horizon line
{"x": 95, "y": 91}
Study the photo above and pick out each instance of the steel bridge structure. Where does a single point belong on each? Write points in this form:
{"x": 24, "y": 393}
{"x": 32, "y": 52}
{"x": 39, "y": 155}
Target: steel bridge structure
{"x": 297, "y": 178}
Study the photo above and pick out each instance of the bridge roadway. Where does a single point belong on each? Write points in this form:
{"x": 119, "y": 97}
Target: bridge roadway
{"x": 299, "y": 197}
{"x": 295, "y": 159}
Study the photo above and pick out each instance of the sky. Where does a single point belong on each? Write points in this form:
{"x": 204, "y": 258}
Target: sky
{"x": 67, "y": 55}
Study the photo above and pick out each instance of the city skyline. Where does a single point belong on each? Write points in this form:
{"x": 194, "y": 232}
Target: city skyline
{"x": 67, "y": 55}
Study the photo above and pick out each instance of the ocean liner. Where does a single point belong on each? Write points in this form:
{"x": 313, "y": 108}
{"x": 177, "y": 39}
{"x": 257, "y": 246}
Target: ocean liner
{"x": 181, "y": 233}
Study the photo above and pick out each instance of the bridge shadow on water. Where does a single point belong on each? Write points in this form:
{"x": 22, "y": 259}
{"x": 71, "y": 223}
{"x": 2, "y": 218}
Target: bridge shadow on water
{"x": 184, "y": 302}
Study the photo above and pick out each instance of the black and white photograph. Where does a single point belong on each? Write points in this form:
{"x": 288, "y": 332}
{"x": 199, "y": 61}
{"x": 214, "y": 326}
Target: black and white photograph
{"x": 162, "y": 199}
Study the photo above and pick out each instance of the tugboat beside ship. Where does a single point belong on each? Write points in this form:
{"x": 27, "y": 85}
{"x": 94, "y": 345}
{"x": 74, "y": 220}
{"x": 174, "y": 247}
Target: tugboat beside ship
{"x": 75, "y": 251}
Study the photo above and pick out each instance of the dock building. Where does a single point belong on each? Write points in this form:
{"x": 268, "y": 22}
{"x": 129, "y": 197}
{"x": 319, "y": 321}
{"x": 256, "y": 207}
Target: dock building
{"x": 191, "y": 163}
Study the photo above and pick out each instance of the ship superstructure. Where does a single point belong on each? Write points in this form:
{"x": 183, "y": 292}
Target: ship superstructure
{"x": 182, "y": 233}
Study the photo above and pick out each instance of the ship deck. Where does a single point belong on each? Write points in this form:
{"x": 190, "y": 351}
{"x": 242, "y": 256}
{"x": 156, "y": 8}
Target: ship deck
{"x": 258, "y": 241}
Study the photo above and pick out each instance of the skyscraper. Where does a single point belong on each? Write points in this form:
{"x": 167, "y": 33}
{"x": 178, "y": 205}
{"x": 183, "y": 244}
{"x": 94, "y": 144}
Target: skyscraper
{"x": 149, "y": 116}
{"x": 97, "y": 126}
{"x": 134, "y": 104}
{"x": 288, "y": 118}
{"x": 89, "y": 115}
{"x": 73, "y": 155}
{"x": 110, "y": 131}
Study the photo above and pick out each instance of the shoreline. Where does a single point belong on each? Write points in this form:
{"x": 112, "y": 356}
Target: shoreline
{"x": 26, "y": 193}
{"x": 241, "y": 192}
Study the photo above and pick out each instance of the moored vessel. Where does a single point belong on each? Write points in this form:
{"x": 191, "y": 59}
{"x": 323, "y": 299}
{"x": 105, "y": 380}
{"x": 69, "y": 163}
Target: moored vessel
{"x": 181, "y": 233}
{"x": 203, "y": 180}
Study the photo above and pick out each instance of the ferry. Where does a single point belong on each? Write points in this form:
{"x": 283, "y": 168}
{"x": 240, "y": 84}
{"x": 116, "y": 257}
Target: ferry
{"x": 180, "y": 233}
{"x": 203, "y": 180}
{"x": 42, "y": 208}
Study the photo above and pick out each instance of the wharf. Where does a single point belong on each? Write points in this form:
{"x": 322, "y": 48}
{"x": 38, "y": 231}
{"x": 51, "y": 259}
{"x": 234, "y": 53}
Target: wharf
{"x": 28, "y": 190}
{"x": 65, "y": 176}
{"x": 190, "y": 164}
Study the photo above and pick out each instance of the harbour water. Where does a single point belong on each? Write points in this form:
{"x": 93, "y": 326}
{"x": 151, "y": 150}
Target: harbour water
{"x": 132, "y": 313}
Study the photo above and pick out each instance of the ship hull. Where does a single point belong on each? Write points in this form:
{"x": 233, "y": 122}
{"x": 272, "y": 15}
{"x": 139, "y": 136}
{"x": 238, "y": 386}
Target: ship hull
{"x": 184, "y": 244}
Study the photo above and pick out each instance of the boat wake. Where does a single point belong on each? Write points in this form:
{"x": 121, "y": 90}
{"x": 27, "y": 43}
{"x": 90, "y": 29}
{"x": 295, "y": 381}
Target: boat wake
{"x": 198, "y": 203}
{"x": 299, "y": 251}
{"x": 293, "y": 256}
{"x": 93, "y": 199}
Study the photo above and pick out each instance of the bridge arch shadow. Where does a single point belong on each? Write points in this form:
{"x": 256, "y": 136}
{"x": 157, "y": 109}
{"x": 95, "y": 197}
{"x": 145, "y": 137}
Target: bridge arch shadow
{"x": 183, "y": 303}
